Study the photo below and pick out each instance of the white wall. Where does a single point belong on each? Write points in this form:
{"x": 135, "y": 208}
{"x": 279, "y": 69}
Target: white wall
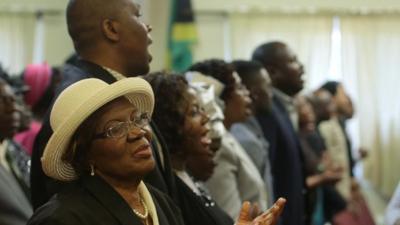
{"x": 58, "y": 45}
{"x": 157, "y": 15}
{"x": 212, "y": 17}
{"x": 211, "y": 37}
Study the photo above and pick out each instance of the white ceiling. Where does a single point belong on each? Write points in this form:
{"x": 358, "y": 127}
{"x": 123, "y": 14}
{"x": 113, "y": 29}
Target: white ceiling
{"x": 32, "y": 5}
{"x": 360, "y": 6}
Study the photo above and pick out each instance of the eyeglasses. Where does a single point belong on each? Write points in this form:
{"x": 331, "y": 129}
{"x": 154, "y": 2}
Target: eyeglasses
{"x": 121, "y": 129}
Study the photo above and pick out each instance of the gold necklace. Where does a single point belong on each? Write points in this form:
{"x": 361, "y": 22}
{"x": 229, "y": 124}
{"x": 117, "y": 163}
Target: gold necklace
{"x": 146, "y": 211}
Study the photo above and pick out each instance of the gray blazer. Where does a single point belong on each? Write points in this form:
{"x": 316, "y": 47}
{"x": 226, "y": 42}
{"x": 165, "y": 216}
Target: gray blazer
{"x": 251, "y": 137}
{"x": 15, "y": 208}
{"x": 235, "y": 178}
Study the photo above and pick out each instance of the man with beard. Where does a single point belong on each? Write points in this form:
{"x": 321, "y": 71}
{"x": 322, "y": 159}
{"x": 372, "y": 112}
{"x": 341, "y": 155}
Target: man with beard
{"x": 280, "y": 127}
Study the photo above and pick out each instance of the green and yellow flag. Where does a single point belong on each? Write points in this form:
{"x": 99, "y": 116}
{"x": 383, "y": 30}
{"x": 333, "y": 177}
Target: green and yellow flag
{"x": 182, "y": 35}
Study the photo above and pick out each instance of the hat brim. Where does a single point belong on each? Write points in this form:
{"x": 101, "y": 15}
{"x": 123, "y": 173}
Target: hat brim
{"x": 136, "y": 90}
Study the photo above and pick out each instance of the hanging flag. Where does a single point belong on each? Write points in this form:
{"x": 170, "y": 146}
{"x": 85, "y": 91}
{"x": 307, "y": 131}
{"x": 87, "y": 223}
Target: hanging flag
{"x": 182, "y": 35}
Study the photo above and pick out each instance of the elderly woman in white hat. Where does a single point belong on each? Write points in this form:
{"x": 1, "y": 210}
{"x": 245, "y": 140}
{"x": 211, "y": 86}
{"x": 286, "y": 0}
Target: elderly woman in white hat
{"x": 100, "y": 145}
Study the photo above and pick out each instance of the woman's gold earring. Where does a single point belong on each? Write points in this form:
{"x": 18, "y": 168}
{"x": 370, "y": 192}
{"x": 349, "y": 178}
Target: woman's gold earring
{"x": 91, "y": 170}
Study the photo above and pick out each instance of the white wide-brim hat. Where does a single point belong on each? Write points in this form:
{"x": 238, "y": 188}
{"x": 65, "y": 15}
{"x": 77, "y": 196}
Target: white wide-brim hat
{"x": 75, "y": 104}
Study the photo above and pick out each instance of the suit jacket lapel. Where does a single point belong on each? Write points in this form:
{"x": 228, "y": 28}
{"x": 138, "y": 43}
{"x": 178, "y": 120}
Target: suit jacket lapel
{"x": 284, "y": 114}
{"x": 96, "y": 71}
{"x": 289, "y": 127}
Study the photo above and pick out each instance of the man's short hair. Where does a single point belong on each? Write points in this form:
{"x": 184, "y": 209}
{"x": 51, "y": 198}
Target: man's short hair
{"x": 84, "y": 19}
{"x": 267, "y": 53}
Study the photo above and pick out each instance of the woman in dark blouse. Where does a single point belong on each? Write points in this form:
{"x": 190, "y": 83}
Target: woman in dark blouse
{"x": 182, "y": 122}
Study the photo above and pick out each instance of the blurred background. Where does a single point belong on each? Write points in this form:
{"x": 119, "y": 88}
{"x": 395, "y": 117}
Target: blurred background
{"x": 356, "y": 42}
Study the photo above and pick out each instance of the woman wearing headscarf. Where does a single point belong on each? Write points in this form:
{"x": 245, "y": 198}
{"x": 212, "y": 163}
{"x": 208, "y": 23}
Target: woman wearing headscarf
{"x": 41, "y": 81}
{"x": 235, "y": 178}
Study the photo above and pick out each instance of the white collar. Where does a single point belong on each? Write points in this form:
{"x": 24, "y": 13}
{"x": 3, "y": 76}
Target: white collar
{"x": 283, "y": 96}
{"x": 184, "y": 176}
{"x": 114, "y": 73}
{"x": 3, "y": 147}
{"x": 148, "y": 200}
{"x": 3, "y": 152}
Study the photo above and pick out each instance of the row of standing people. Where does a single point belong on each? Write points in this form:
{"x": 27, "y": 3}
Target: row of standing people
{"x": 238, "y": 115}
{"x": 92, "y": 182}
{"x": 261, "y": 161}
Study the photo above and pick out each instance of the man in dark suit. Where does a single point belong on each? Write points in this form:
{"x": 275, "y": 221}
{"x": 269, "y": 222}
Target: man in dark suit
{"x": 280, "y": 126}
{"x": 111, "y": 43}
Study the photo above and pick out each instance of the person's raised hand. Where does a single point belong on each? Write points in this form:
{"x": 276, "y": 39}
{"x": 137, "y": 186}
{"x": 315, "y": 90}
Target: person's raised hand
{"x": 269, "y": 217}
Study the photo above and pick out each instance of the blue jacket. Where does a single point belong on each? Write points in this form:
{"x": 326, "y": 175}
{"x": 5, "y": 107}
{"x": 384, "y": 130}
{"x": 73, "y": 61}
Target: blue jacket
{"x": 286, "y": 162}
